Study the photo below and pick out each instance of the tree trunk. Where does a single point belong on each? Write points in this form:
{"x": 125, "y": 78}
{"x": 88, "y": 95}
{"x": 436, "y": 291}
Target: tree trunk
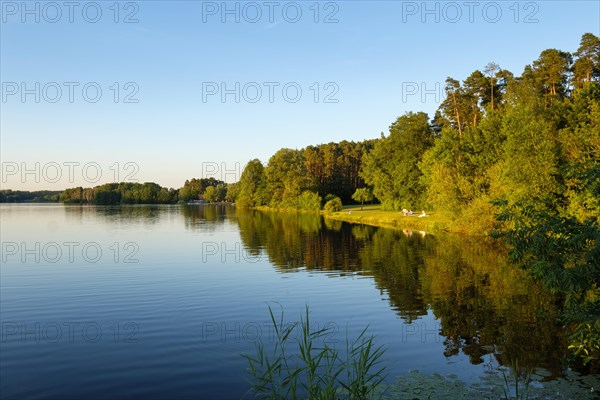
{"x": 457, "y": 115}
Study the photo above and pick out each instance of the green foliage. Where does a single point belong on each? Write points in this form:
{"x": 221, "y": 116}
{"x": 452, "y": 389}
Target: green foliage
{"x": 587, "y": 66}
{"x": 564, "y": 253}
{"x": 549, "y": 179}
{"x": 286, "y": 178}
{"x": 391, "y": 168}
{"x": 252, "y": 189}
{"x": 232, "y": 192}
{"x": 214, "y": 194}
{"x": 323, "y": 169}
{"x": 362, "y": 195}
{"x": 335, "y": 167}
{"x": 550, "y": 71}
{"x": 121, "y": 193}
{"x": 447, "y": 187}
{"x": 329, "y": 197}
{"x": 585, "y": 341}
{"x": 309, "y": 201}
{"x": 333, "y": 205}
{"x": 19, "y": 196}
{"x": 107, "y": 196}
{"x": 77, "y": 195}
{"x": 530, "y": 165}
{"x": 305, "y": 368}
{"x": 192, "y": 189}
{"x": 210, "y": 194}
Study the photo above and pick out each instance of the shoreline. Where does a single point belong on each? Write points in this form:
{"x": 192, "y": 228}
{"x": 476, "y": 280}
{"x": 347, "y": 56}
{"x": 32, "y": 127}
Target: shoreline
{"x": 372, "y": 215}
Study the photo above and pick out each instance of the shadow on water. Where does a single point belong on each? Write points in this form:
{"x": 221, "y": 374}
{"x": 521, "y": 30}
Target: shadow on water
{"x": 485, "y": 306}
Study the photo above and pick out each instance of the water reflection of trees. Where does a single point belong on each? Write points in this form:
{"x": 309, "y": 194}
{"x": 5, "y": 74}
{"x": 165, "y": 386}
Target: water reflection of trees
{"x": 293, "y": 241}
{"x": 395, "y": 260}
{"x": 485, "y": 306}
{"x": 206, "y": 217}
{"x": 118, "y": 215}
{"x": 484, "y": 302}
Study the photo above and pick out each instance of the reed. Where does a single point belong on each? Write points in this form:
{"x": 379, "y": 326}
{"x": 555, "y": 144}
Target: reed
{"x": 307, "y": 367}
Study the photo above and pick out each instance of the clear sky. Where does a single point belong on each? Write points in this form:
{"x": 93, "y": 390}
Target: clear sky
{"x": 162, "y": 66}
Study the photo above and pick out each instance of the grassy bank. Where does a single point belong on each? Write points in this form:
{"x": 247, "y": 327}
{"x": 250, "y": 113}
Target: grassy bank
{"x": 373, "y": 215}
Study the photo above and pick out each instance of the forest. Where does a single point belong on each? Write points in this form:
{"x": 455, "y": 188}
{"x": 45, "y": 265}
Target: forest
{"x": 533, "y": 137}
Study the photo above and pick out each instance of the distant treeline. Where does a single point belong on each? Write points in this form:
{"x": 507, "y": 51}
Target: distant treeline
{"x": 121, "y": 193}
{"x": 19, "y": 196}
{"x": 209, "y": 189}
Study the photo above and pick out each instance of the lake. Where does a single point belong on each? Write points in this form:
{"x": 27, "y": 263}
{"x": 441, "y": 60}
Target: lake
{"x": 160, "y": 302}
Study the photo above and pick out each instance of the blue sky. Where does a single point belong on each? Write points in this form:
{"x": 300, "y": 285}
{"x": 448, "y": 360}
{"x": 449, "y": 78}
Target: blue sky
{"x": 374, "y": 61}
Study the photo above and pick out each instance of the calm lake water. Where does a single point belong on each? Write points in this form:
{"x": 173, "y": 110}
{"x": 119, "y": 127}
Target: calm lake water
{"x": 159, "y": 302}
